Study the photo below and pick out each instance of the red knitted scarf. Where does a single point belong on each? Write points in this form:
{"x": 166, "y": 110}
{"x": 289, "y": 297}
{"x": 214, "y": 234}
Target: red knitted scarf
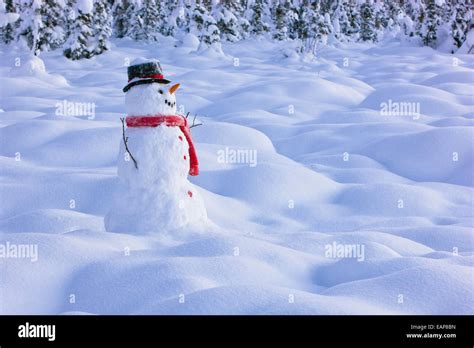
{"x": 170, "y": 121}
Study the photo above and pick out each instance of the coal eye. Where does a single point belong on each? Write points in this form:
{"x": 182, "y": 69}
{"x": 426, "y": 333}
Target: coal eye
{"x": 160, "y": 91}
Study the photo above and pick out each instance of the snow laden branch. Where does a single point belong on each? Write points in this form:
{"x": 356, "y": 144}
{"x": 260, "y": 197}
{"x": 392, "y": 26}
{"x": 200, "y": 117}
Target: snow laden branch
{"x": 125, "y": 142}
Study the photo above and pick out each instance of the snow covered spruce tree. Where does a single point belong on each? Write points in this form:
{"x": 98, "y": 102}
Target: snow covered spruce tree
{"x": 31, "y": 24}
{"x": 381, "y": 19}
{"x": 419, "y": 18}
{"x": 8, "y": 10}
{"x": 340, "y": 21}
{"x": 306, "y": 26}
{"x": 429, "y": 32}
{"x": 367, "y": 24}
{"x": 281, "y": 23}
{"x": 8, "y": 17}
{"x": 244, "y": 22}
{"x": 53, "y": 33}
{"x": 319, "y": 26}
{"x": 285, "y": 18}
{"x": 121, "y": 22}
{"x": 259, "y": 17}
{"x": 172, "y": 13}
{"x": 301, "y": 25}
{"x": 136, "y": 30}
{"x": 102, "y": 25}
{"x": 79, "y": 45}
{"x": 227, "y": 21}
{"x": 291, "y": 8}
{"x": 146, "y": 21}
{"x": 410, "y": 12}
{"x": 129, "y": 19}
{"x": 322, "y": 26}
{"x": 392, "y": 10}
{"x": 460, "y": 24}
{"x": 353, "y": 16}
{"x": 41, "y": 24}
{"x": 210, "y": 35}
{"x": 185, "y": 19}
{"x": 70, "y": 14}
{"x": 199, "y": 13}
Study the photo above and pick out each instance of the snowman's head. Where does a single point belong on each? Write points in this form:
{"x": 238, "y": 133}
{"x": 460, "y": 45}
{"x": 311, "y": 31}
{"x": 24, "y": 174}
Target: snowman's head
{"x": 151, "y": 99}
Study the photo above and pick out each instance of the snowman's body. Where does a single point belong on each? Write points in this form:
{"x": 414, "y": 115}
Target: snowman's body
{"x": 158, "y": 195}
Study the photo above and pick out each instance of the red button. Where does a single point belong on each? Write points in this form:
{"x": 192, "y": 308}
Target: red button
{"x": 190, "y": 194}
{"x": 185, "y": 157}
{"x": 180, "y": 138}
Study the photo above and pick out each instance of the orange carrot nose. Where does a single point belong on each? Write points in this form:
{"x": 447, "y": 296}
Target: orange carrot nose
{"x": 174, "y": 88}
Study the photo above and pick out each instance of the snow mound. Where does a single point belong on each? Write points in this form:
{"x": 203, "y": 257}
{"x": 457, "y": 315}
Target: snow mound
{"x": 460, "y": 238}
{"x": 464, "y": 77}
{"x": 33, "y": 66}
{"x": 29, "y": 66}
{"x": 190, "y": 41}
{"x": 431, "y": 101}
{"x": 50, "y": 221}
{"x": 91, "y": 147}
{"x": 213, "y": 51}
{"x": 349, "y": 270}
{"x": 6, "y": 18}
{"x": 232, "y": 135}
{"x": 394, "y": 293}
{"x": 271, "y": 185}
{"x": 392, "y": 200}
{"x": 246, "y": 299}
{"x": 85, "y": 6}
{"x": 442, "y": 154}
{"x": 310, "y": 90}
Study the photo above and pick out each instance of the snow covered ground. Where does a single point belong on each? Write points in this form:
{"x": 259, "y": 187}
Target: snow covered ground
{"x": 323, "y": 167}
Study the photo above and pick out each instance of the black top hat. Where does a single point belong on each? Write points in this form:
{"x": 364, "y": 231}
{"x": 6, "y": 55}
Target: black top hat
{"x": 144, "y": 73}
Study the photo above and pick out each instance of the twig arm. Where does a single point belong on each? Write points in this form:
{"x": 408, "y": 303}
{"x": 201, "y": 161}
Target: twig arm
{"x": 125, "y": 142}
{"x": 194, "y": 124}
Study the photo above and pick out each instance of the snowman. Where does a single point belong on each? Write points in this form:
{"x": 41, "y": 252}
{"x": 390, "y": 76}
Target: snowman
{"x": 155, "y": 157}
